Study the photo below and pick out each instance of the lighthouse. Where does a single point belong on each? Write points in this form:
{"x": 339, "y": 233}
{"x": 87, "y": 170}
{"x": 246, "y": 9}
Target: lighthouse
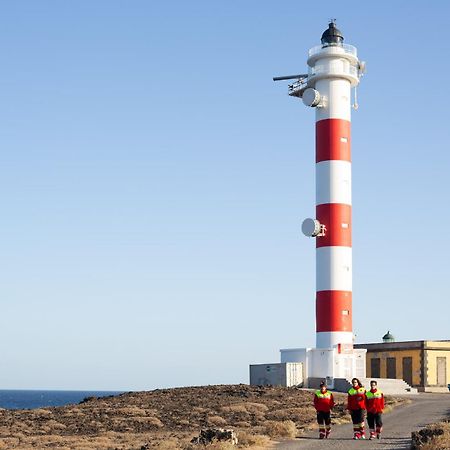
{"x": 334, "y": 72}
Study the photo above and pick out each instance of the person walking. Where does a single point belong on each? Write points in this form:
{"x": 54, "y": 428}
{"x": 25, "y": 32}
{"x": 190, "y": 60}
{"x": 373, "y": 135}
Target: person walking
{"x": 375, "y": 407}
{"x": 356, "y": 404}
{"x": 323, "y": 402}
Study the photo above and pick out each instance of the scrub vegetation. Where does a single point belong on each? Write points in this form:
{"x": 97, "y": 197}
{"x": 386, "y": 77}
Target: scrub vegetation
{"x": 167, "y": 419}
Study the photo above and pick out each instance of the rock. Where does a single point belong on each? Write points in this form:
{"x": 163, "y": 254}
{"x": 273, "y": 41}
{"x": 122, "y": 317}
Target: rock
{"x": 87, "y": 399}
{"x": 424, "y": 436}
{"x": 210, "y": 435}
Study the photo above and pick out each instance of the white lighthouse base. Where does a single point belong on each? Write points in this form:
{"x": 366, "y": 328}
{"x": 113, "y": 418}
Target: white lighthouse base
{"x": 330, "y": 364}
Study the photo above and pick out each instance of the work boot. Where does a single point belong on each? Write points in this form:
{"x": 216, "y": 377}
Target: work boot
{"x": 362, "y": 434}
{"x": 379, "y": 432}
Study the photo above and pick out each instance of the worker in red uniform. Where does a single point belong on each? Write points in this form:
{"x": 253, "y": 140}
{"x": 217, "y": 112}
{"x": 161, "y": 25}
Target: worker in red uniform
{"x": 375, "y": 406}
{"x": 356, "y": 404}
{"x": 323, "y": 402}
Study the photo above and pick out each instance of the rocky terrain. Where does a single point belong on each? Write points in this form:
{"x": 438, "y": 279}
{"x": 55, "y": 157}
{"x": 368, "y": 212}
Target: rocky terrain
{"x": 432, "y": 437}
{"x": 166, "y": 418}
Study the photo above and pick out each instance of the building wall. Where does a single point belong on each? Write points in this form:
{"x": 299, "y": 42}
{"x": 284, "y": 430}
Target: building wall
{"x": 444, "y": 345}
{"x": 424, "y": 356}
{"x": 431, "y": 366}
{"x": 415, "y": 354}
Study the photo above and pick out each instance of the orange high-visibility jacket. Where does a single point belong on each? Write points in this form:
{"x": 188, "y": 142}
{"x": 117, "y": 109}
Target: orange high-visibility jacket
{"x": 323, "y": 401}
{"x": 375, "y": 401}
{"x": 356, "y": 399}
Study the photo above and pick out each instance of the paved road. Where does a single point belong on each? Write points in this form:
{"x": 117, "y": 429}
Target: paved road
{"x": 398, "y": 424}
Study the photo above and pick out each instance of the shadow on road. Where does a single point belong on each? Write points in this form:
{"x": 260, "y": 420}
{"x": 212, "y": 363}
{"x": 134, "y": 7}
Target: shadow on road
{"x": 332, "y": 438}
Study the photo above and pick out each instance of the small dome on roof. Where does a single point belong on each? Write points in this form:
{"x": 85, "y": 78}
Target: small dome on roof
{"x": 332, "y": 36}
{"x": 388, "y": 337}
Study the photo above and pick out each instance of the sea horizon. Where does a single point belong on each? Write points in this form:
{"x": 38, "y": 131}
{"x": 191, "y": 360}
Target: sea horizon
{"x": 44, "y": 398}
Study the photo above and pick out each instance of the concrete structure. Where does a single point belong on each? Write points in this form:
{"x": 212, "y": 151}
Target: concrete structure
{"x": 425, "y": 365}
{"x": 278, "y": 374}
{"x": 327, "y": 364}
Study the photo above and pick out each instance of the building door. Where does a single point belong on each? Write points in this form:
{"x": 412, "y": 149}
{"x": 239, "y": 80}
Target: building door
{"x": 390, "y": 368}
{"x": 441, "y": 364}
{"x": 407, "y": 369}
{"x": 375, "y": 367}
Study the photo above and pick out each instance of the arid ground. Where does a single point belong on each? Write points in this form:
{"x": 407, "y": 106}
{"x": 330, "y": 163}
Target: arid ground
{"x": 167, "y": 418}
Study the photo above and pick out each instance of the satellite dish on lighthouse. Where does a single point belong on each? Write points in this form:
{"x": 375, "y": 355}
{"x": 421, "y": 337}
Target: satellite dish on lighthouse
{"x": 311, "y": 97}
{"x": 311, "y": 227}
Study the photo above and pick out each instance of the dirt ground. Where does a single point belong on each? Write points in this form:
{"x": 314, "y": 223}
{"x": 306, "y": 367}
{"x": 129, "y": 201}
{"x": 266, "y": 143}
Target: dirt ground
{"x": 166, "y": 418}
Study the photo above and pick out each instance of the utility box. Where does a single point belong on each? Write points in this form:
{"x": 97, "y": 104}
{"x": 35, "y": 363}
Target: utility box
{"x": 278, "y": 374}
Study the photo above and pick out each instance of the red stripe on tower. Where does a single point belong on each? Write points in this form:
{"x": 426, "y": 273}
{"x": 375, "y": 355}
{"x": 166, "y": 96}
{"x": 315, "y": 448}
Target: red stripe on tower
{"x": 334, "y": 311}
{"x": 332, "y": 140}
{"x": 337, "y": 218}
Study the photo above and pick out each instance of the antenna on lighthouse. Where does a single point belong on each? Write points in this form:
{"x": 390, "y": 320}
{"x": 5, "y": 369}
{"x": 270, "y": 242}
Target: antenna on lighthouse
{"x": 290, "y": 77}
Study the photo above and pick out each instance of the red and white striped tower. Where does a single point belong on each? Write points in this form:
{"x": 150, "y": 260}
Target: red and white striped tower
{"x": 334, "y": 69}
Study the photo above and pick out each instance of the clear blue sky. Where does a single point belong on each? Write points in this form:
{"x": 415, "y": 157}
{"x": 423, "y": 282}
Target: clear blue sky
{"x": 153, "y": 181}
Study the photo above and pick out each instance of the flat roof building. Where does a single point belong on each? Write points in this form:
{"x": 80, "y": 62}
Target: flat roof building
{"x": 424, "y": 365}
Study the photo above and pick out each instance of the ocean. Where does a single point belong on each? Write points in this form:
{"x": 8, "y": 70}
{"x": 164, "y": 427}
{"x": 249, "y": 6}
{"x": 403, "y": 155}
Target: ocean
{"x": 29, "y": 399}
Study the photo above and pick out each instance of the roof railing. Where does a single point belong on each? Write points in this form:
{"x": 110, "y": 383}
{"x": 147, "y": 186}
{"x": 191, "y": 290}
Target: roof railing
{"x": 350, "y": 49}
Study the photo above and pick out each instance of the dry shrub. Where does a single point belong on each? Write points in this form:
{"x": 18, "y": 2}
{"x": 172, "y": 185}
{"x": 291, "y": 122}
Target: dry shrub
{"x": 129, "y": 411}
{"x": 285, "y": 429}
{"x": 241, "y": 424}
{"x": 41, "y": 412}
{"x": 6, "y": 443}
{"x": 255, "y": 408}
{"x": 217, "y": 421}
{"x": 214, "y": 446}
{"x": 73, "y": 412}
{"x": 169, "y": 444}
{"x": 55, "y": 425}
{"x": 152, "y": 421}
{"x": 252, "y": 440}
{"x": 221, "y": 446}
{"x": 236, "y": 408}
{"x": 53, "y": 439}
{"x": 296, "y": 414}
{"x": 199, "y": 409}
{"x": 184, "y": 422}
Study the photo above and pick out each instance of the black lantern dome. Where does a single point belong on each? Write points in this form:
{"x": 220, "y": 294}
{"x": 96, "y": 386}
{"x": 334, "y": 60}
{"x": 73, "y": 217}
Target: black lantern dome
{"x": 332, "y": 36}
